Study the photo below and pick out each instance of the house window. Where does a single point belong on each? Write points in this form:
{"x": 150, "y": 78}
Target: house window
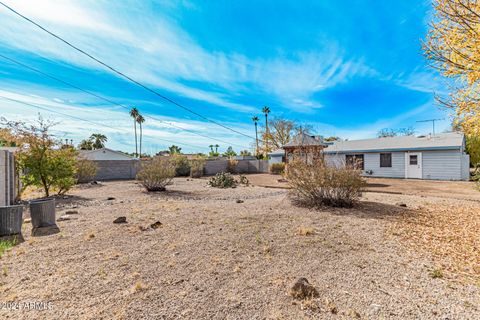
{"x": 355, "y": 161}
{"x": 385, "y": 160}
{"x": 413, "y": 160}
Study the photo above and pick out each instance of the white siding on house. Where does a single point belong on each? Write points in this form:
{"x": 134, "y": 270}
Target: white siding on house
{"x": 465, "y": 167}
{"x": 372, "y": 162}
{"x": 275, "y": 158}
{"x": 442, "y": 165}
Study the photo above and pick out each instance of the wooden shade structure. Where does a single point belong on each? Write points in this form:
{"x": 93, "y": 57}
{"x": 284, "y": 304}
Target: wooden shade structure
{"x": 304, "y": 147}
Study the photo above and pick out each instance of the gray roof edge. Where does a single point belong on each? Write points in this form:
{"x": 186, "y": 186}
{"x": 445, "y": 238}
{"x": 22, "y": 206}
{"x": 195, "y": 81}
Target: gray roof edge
{"x": 395, "y": 149}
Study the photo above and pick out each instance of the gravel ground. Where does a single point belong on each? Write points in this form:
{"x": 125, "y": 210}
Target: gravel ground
{"x": 215, "y": 258}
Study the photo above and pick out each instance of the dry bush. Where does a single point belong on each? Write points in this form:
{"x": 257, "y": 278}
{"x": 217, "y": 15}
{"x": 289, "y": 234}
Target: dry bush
{"x": 317, "y": 184}
{"x": 157, "y": 174}
{"x": 86, "y": 170}
{"x": 196, "y": 168}
{"x": 181, "y": 164}
{"x": 232, "y": 166}
{"x": 277, "y": 168}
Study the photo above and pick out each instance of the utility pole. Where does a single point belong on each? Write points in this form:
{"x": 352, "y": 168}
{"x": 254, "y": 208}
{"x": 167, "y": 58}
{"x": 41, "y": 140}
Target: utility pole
{"x": 433, "y": 124}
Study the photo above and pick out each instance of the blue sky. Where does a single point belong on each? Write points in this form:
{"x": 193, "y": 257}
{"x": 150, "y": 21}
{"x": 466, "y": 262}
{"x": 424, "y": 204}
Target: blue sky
{"x": 347, "y": 69}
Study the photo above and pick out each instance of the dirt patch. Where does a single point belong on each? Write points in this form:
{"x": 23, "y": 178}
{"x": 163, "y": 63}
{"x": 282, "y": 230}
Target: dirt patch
{"x": 214, "y": 258}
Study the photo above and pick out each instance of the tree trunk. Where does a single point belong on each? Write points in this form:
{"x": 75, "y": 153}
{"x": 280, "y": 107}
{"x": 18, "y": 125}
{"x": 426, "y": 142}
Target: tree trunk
{"x": 141, "y": 134}
{"x": 256, "y": 139}
{"x": 135, "y": 128}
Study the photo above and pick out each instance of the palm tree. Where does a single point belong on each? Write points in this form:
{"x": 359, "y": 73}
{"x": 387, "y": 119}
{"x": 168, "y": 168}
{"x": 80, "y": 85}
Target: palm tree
{"x": 98, "y": 140}
{"x": 174, "y": 149}
{"x": 211, "y": 147}
{"x": 134, "y": 114}
{"x": 140, "y": 120}
{"x": 266, "y": 111}
{"x": 255, "y": 120}
{"x": 85, "y": 145}
{"x": 216, "y": 148}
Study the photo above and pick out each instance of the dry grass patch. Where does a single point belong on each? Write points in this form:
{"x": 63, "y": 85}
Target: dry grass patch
{"x": 305, "y": 231}
{"x": 450, "y": 234}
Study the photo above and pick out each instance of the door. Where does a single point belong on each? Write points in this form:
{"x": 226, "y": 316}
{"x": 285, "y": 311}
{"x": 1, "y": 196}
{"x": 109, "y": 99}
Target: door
{"x": 413, "y": 165}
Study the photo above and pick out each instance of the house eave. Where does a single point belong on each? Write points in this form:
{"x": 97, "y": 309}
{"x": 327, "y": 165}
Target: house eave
{"x": 394, "y": 149}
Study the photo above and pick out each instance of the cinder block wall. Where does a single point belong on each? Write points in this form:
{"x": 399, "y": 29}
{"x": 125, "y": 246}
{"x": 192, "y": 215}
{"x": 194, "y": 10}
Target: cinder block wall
{"x": 8, "y": 190}
{"x": 116, "y": 169}
{"x": 243, "y": 166}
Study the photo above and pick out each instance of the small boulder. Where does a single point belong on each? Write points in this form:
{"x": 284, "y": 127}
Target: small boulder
{"x": 302, "y": 289}
{"x": 401, "y": 204}
{"x": 156, "y": 225}
{"x": 71, "y": 212}
{"x": 65, "y": 217}
{"x": 111, "y": 198}
{"x": 239, "y": 201}
{"x": 120, "y": 220}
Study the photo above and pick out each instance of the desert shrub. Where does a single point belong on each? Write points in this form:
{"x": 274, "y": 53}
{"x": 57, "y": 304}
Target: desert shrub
{"x": 86, "y": 170}
{"x": 44, "y": 161}
{"x": 317, "y": 184}
{"x": 196, "y": 168}
{"x": 277, "y": 168}
{"x": 181, "y": 164}
{"x": 222, "y": 180}
{"x": 232, "y": 165}
{"x": 242, "y": 179}
{"x": 156, "y": 174}
{"x": 48, "y": 168}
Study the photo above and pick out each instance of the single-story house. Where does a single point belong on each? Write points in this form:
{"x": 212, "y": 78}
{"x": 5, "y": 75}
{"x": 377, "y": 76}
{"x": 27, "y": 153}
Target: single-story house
{"x": 439, "y": 157}
{"x": 111, "y": 164}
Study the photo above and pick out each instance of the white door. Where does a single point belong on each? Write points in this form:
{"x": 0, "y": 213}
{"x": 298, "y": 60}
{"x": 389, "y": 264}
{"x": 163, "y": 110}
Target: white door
{"x": 413, "y": 165}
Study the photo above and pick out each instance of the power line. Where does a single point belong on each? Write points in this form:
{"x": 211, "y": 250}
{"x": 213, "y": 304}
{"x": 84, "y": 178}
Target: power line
{"x": 109, "y": 100}
{"x": 122, "y": 74}
{"x": 85, "y": 120}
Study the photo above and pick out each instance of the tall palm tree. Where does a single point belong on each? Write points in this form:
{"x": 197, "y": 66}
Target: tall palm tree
{"x": 134, "y": 114}
{"x": 255, "y": 120}
{"x": 266, "y": 111}
{"x": 211, "y": 147}
{"x": 216, "y": 148}
{"x": 98, "y": 140}
{"x": 140, "y": 120}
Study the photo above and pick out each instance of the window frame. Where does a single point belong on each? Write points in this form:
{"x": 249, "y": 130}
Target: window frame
{"x": 410, "y": 156}
{"x": 388, "y": 163}
{"x": 353, "y": 162}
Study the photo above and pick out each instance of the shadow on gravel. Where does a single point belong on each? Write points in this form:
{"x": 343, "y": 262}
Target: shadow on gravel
{"x": 374, "y": 210}
{"x": 174, "y": 194}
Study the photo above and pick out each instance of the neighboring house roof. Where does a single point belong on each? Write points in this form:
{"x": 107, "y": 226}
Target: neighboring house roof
{"x": 280, "y": 152}
{"x": 442, "y": 141}
{"x": 103, "y": 154}
{"x": 302, "y": 140}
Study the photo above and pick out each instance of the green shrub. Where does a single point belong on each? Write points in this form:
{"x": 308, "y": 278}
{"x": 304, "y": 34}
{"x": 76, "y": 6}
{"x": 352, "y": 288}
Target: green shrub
{"x": 181, "y": 164}
{"x": 277, "y": 168}
{"x": 86, "y": 170}
{"x": 48, "y": 168}
{"x": 156, "y": 174}
{"x": 316, "y": 184}
{"x": 196, "y": 168}
{"x": 222, "y": 180}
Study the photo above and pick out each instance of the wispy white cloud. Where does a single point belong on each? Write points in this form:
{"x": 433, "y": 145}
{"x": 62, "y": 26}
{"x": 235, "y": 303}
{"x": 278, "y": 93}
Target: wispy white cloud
{"x": 113, "y": 122}
{"x": 164, "y": 55}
